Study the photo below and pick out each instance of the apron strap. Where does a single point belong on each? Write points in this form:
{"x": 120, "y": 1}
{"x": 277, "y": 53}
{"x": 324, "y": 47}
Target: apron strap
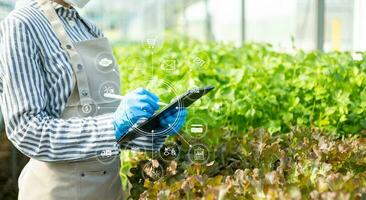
{"x": 67, "y": 44}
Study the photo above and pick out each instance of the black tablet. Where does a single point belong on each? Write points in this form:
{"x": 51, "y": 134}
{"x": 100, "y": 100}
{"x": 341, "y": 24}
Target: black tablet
{"x": 149, "y": 126}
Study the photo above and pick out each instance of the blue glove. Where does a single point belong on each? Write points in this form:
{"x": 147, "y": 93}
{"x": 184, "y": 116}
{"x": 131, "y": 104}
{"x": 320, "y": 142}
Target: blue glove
{"x": 174, "y": 118}
{"x": 137, "y": 105}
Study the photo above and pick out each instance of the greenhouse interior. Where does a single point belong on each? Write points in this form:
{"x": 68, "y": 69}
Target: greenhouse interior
{"x": 264, "y": 99}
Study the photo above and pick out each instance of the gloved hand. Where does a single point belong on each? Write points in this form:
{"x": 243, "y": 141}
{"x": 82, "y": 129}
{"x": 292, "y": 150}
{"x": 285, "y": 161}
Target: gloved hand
{"x": 137, "y": 105}
{"x": 174, "y": 118}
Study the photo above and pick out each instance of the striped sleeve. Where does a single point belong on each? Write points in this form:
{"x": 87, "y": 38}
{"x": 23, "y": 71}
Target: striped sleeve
{"x": 30, "y": 128}
{"x": 145, "y": 143}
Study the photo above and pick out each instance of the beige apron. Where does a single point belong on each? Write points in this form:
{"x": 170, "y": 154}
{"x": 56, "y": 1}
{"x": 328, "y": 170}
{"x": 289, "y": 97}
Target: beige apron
{"x": 95, "y": 72}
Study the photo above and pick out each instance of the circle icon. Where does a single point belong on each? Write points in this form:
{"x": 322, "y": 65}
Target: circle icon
{"x": 87, "y": 110}
{"x": 198, "y": 154}
{"x": 169, "y": 151}
{"x": 107, "y": 156}
{"x": 169, "y": 64}
{"x": 196, "y": 91}
{"x": 108, "y": 88}
{"x": 153, "y": 41}
{"x": 152, "y": 170}
{"x": 105, "y": 62}
{"x": 200, "y": 60}
{"x": 196, "y": 127}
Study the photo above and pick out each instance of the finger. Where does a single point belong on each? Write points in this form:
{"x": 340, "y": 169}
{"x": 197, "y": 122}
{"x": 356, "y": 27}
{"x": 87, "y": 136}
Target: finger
{"x": 138, "y": 114}
{"x": 139, "y": 105}
{"x": 164, "y": 123}
{"x": 174, "y": 119}
{"x": 141, "y": 120}
{"x": 177, "y": 113}
{"x": 138, "y": 95}
{"x": 139, "y": 91}
{"x": 135, "y": 110}
{"x": 183, "y": 113}
{"x": 142, "y": 113}
{"x": 175, "y": 129}
{"x": 179, "y": 109}
{"x": 165, "y": 115}
{"x": 171, "y": 119}
{"x": 153, "y": 103}
{"x": 179, "y": 124}
{"x": 170, "y": 112}
{"x": 145, "y": 107}
{"x": 148, "y": 93}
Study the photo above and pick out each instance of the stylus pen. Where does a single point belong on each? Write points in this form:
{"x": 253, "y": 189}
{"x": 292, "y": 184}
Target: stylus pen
{"x": 116, "y": 96}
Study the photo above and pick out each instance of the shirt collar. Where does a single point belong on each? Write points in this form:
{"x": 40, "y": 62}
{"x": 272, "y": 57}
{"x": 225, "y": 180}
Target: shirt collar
{"x": 60, "y": 10}
{"x": 65, "y": 12}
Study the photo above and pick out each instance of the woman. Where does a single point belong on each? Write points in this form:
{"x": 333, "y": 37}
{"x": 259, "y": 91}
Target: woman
{"x": 55, "y": 69}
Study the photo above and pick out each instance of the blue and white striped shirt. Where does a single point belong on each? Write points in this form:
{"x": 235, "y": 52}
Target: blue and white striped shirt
{"x": 35, "y": 83}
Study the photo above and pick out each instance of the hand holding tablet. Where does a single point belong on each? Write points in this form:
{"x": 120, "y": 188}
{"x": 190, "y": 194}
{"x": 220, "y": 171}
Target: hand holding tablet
{"x": 153, "y": 126}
